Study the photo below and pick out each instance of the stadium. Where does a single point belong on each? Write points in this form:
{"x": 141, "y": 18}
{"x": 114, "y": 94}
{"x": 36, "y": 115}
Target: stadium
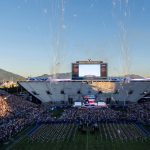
{"x": 90, "y": 78}
{"x": 66, "y": 79}
{"x": 89, "y": 111}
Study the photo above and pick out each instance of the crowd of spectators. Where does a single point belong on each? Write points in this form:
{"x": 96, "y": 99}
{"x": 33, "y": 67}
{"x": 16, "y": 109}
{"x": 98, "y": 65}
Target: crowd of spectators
{"x": 17, "y": 113}
{"x": 90, "y": 115}
{"x": 138, "y": 113}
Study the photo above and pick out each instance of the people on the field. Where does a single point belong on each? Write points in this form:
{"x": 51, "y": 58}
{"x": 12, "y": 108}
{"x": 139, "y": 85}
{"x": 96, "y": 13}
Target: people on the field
{"x": 17, "y": 113}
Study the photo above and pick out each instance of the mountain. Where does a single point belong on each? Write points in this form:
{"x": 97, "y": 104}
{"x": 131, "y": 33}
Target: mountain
{"x": 134, "y": 76}
{"x": 7, "y": 76}
{"x": 68, "y": 76}
{"x": 58, "y": 76}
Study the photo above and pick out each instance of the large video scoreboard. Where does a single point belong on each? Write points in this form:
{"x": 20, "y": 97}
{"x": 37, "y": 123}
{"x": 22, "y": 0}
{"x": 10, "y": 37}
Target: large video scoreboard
{"x": 83, "y": 70}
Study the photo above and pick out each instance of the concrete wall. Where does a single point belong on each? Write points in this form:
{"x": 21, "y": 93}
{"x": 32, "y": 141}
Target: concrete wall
{"x": 71, "y": 89}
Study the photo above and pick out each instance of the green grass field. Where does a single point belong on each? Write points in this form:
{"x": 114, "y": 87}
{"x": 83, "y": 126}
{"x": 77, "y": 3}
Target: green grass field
{"x": 67, "y": 137}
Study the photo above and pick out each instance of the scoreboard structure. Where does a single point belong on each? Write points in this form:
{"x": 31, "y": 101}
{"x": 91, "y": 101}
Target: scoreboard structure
{"x": 89, "y": 70}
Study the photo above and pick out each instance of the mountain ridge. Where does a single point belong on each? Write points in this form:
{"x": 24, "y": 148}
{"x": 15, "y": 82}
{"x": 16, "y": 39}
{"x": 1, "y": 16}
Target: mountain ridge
{"x": 68, "y": 75}
{"x": 58, "y": 75}
{"x": 7, "y": 76}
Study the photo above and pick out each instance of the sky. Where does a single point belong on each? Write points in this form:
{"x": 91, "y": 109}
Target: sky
{"x": 45, "y": 36}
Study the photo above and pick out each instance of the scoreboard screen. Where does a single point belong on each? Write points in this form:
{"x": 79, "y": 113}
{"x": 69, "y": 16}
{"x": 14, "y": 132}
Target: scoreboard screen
{"x": 89, "y": 70}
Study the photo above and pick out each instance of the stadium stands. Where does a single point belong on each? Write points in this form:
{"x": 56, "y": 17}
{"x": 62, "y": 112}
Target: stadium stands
{"x": 15, "y": 115}
{"x": 102, "y": 89}
{"x": 111, "y": 124}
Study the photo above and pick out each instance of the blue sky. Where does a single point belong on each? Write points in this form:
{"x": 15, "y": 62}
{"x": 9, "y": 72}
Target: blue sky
{"x": 46, "y": 36}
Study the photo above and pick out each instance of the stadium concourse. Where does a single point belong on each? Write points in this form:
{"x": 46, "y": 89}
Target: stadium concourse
{"x": 107, "y": 124}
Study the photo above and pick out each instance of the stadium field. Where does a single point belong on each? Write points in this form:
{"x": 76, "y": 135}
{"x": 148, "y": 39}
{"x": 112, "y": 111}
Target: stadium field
{"x": 109, "y": 136}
